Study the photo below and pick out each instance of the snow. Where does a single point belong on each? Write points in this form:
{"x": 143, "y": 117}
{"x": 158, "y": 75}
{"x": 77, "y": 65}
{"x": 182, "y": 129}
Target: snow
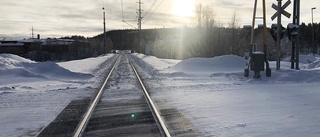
{"x": 220, "y": 101}
{"x": 12, "y": 44}
{"x": 204, "y": 65}
{"x": 211, "y": 92}
{"x": 304, "y": 59}
{"x": 32, "y": 94}
{"x": 158, "y": 63}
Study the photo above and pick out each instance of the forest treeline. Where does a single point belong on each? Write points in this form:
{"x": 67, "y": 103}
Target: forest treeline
{"x": 207, "y": 38}
{"x": 204, "y": 41}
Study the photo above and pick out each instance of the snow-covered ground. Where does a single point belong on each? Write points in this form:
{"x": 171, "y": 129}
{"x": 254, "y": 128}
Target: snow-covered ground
{"x": 211, "y": 92}
{"x": 32, "y": 94}
{"x": 220, "y": 101}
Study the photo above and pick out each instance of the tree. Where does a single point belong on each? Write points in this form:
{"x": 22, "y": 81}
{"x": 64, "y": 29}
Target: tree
{"x": 198, "y": 16}
{"x": 202, "y": 43}
{"x": 204, "y": 16}
{"x": 234, "y": 24}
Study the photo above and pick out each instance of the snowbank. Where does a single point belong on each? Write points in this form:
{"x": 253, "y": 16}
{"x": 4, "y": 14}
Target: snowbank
{"x": 157, "y": 63}
{"x": 12, "y": 65}
{"x": 304, "y": 59}
{"x": 230, "y": 67}
{"x": 227, "y": 63}
{"x": 307, "y": 62}
{"x": 222, "y": 102}
{"x": 87, "y": 65}
{"x": 10, "y": 59}
{"x": 221, "y": 64}
{"x": 228, "y": 104}
{"x": 32, "y": 93}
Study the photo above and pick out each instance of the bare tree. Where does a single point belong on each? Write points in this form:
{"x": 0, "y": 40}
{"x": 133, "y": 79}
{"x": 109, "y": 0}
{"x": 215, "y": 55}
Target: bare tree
{"x": 202, "y": 44}
{"x": 208, "y": 17}
{"x": 204, "y": 16}
{"x": 235, "y": 21}
{"x": 234, "y": 26}
{"x": 198, "y": 17}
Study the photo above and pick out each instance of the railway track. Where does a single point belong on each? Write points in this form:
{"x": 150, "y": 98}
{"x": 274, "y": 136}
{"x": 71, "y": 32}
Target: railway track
{"x": 122, "y": 115}
{"x": 122, "y": 107}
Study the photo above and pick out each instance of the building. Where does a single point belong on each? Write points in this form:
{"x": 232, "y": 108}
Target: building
{"x": 19, "y": 47}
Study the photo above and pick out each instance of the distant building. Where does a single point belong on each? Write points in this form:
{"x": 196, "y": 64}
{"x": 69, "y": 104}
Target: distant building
{"x": 19, "y": 47}
{"x": 247, "y": 26}
{"x": 48, "y": 49}
{"x": 57, "y": 45}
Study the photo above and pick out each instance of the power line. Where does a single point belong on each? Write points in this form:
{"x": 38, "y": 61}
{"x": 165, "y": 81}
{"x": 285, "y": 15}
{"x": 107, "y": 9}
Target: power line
{"x": 123, "y": 17}
{"x": 140, "y": 11}
{"x": 140, "y": 17}
{"x": 139, "y": 26}
{"x": 153, "y": 11}
{"x": 152, "y": 5}
{"x": 122, "y": 12}
{"x": 32, "y": 30}
{"x": 122, "y": 8}
{"x": 129, "y": 24}
{"x": 104, "y": 29}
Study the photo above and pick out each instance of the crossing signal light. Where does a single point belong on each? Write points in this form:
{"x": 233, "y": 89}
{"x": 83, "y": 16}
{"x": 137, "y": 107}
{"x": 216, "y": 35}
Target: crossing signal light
{"x": 274, "y": 31}
{"x": 292, "y": 30}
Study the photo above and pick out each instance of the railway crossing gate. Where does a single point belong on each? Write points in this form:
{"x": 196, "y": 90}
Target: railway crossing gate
{"x": 258, "y": 58}
{"x": 292, "y": 30}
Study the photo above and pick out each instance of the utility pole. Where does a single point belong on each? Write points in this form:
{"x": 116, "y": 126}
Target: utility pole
{"x": 104, "y": 30}
{"x": 313, "y": 43}
{"x": 295, "y": 43}
{"x": 139, "y": 18}
{"x": 279, "y": 34}
{"x": 139, "y": 25}
{"x": 32, "y": 32}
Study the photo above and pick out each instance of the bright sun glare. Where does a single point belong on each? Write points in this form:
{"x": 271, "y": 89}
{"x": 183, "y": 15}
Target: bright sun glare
{"x": 183, "y": 8}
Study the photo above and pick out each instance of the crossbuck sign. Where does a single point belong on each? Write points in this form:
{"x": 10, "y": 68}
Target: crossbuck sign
{"x": 285, "y": 13}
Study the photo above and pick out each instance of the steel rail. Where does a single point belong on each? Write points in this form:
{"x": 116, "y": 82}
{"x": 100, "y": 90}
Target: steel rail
{"x": 84, "y": 122}
{"x": 160, "y": 123}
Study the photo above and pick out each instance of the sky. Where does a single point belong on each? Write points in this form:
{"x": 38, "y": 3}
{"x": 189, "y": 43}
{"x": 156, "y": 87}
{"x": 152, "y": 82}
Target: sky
{"x": 85, "y": 17}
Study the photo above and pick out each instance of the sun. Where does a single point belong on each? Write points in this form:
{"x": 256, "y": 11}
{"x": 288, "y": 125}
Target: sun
{"x": 183, "y": 8}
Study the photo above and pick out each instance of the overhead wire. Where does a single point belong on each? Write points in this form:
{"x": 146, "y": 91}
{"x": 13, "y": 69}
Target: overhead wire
{"x": 152, "y": 5}
{"x": 123, "y": 18}
{"x": 153, "y": 12}
{"x": 122, "y": 14}
{"x": 146, "y": 19}
{"x": 129, "y": 24}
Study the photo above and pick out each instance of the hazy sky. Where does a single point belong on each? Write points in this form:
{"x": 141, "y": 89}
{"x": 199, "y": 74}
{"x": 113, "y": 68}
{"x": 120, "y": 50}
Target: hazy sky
{"x": 55, "y": 18}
